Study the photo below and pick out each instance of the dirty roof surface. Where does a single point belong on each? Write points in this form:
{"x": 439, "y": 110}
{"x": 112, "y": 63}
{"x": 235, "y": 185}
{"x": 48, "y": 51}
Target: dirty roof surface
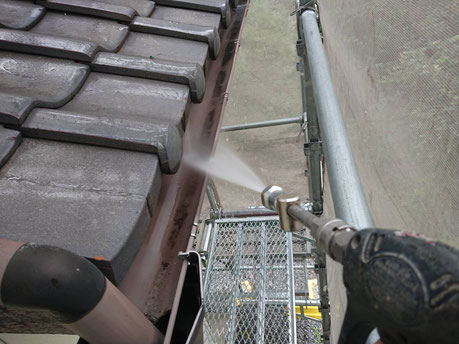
{"x": 94, "y": 97}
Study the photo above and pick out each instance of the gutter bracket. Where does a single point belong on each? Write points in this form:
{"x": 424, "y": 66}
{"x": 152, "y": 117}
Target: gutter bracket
{"x": 190, "y": 315}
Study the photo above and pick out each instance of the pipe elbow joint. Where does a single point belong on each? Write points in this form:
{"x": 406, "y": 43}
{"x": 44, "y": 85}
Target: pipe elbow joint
{"x": 50, "y": 278}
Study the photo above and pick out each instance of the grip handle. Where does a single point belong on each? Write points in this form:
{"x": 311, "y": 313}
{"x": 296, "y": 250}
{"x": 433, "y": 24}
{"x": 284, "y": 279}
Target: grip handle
{"x": 404, "y": 284}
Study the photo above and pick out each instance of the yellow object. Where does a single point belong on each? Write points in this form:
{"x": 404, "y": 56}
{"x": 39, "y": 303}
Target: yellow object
{"x": 246, "y": 287}
{"x": 312, "y": 286}
{"x": 311, "y": 311}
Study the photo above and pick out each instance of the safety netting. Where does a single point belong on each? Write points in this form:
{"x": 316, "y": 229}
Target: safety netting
{"x": 395, "y": 65}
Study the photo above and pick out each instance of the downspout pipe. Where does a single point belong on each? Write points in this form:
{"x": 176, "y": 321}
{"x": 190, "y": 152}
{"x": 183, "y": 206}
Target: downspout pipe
{"x": 78, "y": 295}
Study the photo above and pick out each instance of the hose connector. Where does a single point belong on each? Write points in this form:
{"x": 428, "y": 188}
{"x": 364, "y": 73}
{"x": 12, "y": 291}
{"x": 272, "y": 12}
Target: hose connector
{"x": 274, "y": 198}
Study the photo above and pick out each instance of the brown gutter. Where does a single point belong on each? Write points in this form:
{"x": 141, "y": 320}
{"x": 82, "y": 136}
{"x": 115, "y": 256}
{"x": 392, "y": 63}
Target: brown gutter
{"x": 152, "y": 280}
{"x": 237, "y": 24}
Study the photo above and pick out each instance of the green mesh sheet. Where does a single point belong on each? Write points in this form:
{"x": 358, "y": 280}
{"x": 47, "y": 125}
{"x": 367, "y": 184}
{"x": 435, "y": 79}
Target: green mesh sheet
{"x": 395, "y": 68}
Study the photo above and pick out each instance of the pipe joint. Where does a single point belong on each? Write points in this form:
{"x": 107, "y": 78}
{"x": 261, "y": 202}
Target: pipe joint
{"x": 274, "y": 198}
{"x": 50, "y": 278}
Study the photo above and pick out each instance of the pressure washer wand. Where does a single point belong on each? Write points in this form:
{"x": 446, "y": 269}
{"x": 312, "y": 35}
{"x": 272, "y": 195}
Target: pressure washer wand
{"x": 332, "y": 235}
{"x": 402, "y": 283}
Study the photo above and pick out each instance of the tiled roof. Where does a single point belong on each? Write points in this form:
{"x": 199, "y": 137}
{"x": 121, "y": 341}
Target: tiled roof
{"x": 94, "y": 97}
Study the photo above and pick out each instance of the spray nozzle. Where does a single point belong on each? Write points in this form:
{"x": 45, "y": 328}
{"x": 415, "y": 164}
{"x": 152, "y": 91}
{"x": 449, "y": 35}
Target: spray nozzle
{"x": 269, "y": 196}
{"x": 273, "y": 197}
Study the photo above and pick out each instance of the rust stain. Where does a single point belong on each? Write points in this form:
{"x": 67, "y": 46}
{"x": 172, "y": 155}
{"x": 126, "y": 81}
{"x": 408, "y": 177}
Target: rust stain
{"x": 219, "y": 87}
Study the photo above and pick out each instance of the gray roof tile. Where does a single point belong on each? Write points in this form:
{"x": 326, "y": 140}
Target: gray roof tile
{"x": 102, "y": 109}
{"x": 131, "y": 98}
{"x": 214, "y": 6}
{"x": 161, "y": 139}
{"x": 107, "y": 34}
{"x": 27, "y": 81}
{"x": 189, "y": 74}
{"x": 166, "y": 48}
{"x": 143, "y": 7}
{"x": 90, "y": 200}
{"x": 208, "y": 34}
{"x": 9, "y": 142}
{"x": 17, "y": 14}
{"x": 91, "y": 8}
{"x": 187, "y": 16}
{"x": 35, "y": 43}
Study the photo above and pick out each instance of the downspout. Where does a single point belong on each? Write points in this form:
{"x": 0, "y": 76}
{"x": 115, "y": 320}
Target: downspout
{"x": 78, "y": 295}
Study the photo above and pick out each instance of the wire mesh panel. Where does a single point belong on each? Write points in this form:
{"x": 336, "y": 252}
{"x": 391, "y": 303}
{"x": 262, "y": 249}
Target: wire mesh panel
{"x": 249, "y": 286}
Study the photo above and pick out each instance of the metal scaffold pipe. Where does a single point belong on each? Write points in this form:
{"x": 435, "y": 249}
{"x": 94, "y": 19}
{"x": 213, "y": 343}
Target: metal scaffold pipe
{"x": 312, "y": 139}
{"x": 348, "y": 197}
{"x": 286, "y": 302}
{"x": 263, "y": 124}
{"x": 214, "y": 200}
